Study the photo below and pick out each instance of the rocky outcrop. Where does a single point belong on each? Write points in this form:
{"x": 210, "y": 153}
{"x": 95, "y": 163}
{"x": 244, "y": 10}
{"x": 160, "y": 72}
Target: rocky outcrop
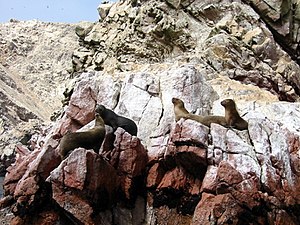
{"x": 189, "y": 173}
{"x": 81, "y": 187}
{"x": 78, "y": 188}
{"x": 224, "y": 36}
{"x": 219, "y": 38}
{"x": 143, "y": 97}
{"x": 139, "y": 56}
{"x": 282, "y": 18}
{"x": 34, "y": 59}
{"x": 235, "y": 177}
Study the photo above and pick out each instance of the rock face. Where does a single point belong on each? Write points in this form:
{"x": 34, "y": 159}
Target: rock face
{"x": 35, "y": 57}
{"x": 191, "y": 173}
{"x": 223, "y": 36}
{"x": 282, "y": 18}
{"x": 219, "y": 38}
{"x": 78, "y": 188}
{"x": 235, "y": 177}
{"x": 133, "y": 61}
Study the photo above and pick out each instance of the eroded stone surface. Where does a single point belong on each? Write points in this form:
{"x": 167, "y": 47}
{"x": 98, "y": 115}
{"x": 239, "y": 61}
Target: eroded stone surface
{"x": 253, "y": 168}
{"x": 145, "y": 54}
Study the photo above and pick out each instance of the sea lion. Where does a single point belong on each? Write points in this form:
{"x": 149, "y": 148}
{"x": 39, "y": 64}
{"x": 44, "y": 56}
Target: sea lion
{"x": 232, "y": 116}
{"x": 181, "y": 112}
{"x": 112, "y": 119}
{"x": 91, "y": 139}
{"x": 179, "y": 109}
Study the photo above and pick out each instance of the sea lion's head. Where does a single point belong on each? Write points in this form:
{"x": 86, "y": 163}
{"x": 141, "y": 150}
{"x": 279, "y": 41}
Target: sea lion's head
{"x": 177, "y": 102}
{"x": 99, "y": 120}
{"x": 228, "y": 103}
{"x": 100, "y": 109}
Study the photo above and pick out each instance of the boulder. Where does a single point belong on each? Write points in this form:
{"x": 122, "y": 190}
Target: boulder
{"x": 129, "y": 158}
{"x": 175, "y": 179}
{"x": 103, "y": 9}
{"x": 81, "y": 187}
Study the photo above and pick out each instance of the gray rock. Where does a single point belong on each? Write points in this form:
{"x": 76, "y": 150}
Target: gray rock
{"x": 103, "y": 9}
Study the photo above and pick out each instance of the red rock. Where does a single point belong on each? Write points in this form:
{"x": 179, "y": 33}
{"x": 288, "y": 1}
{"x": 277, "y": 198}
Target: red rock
{"x": 175, "y": 179}
{"x": 25, "y": 180}
{"x": 189, "y": 131}
{"x": 280, "y": 216}
{"x": 21, "y": 151}
{"x": 73, "y": 203}
{"x": 80, "y": 183}
{"x": 80, "y": 111}
{"x": 16, "y": 171}
{"x": 187, "y": 146}
{"x": 210, "y": 180}
{"x": 49, "y": 217}
{"x": 155, "y": 175}
{"x": 66, "y": 124}
{"x": 193, "y": 159}
{"x": 184, "y": 166}
{"x": 82, "y": 104}
{"x": 220, "y": 209}
{"x": 6, "y": 201}
{"x": 129, "y": 157}
{"x": 228, "y": 174}
{"x": 38, "y": 169}
{"x": 178, "y": 189}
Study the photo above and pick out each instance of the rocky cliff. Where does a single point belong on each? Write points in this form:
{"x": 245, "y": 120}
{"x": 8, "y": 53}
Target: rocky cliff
{"x": 134, "y": 60}
{"x": 35, "y": 57}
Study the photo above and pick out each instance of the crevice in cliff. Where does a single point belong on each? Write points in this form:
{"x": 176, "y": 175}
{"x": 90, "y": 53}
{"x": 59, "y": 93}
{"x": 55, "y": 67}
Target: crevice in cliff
{"x": 161, "y": 102}
{"x": 190, "y": 143}
{"x": 160, "y": 117}
{"x": 145, "y": 108}
{"x": 66, "y": 217}
{"x": 173, "y": 198}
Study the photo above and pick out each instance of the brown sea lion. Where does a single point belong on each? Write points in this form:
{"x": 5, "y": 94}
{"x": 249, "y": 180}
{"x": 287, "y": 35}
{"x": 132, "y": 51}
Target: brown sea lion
{"x": 91, "y": 139}
{"x": 181, "y": 112}
{"x": 179, "y": 109}
{"x": 114, "y": 120}
{"x": 232, "y": 116}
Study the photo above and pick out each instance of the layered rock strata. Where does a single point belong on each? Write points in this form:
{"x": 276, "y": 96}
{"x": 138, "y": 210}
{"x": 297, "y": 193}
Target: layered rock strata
{"x": 234, "y": 176}
{"x": 225, "y": 36}
{"x": 219, "y": 38}
{"x": 189, "y": 173}
{"x": 139, "y": 56}
{"x": 34, "y": 59}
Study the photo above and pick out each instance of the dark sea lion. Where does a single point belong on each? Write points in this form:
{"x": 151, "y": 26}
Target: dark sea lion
{"x": 91, "y": 139}
{"x": 112, "y": 119}
{"x": 232, "y": 116}
{"x": 181, "y": 112}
